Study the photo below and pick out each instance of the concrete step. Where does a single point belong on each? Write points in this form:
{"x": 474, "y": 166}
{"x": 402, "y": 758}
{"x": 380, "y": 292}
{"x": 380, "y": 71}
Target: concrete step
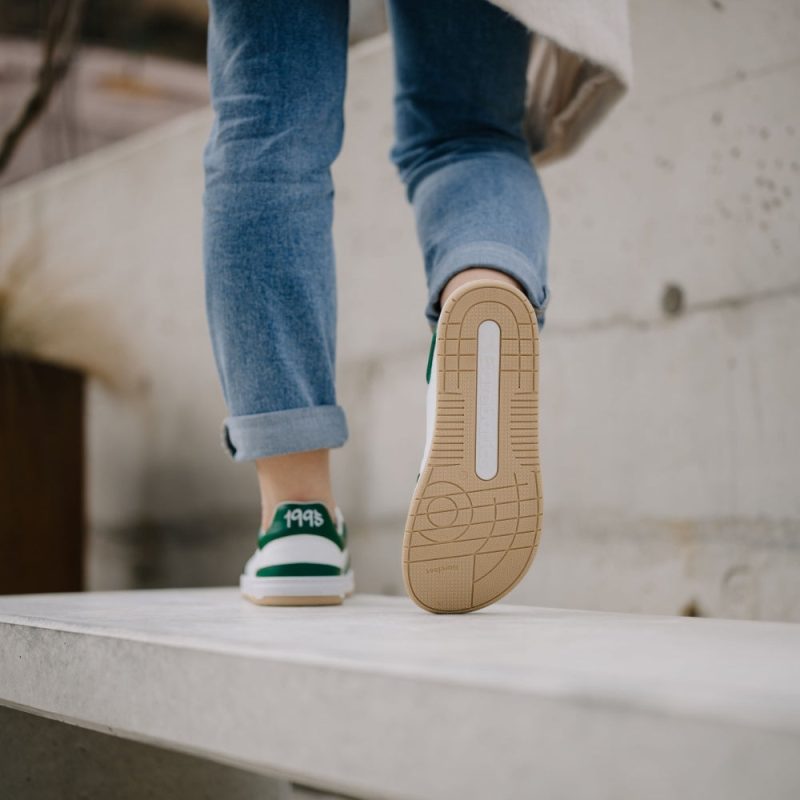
{"x": 378, "y": 699}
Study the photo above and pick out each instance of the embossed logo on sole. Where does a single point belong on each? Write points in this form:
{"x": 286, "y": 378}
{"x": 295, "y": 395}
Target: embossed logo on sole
{"x": 444, "y": 568}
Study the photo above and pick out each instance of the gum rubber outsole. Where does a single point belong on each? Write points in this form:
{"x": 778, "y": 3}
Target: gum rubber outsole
{"x": 297, "y": 600}
{"x": 469, "y": 540}
{"x": 297, "y": 591}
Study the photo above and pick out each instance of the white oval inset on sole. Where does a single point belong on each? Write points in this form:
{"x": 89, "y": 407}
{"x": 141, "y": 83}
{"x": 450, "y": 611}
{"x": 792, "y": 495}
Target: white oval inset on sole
{"x": 487, "y": 420}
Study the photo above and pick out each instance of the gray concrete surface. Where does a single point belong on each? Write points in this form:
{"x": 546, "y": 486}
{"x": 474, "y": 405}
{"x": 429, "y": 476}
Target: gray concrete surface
{"x": 670, "y": 388}
{"x": 43, "y": 759}
{"x": 379, "y": 699}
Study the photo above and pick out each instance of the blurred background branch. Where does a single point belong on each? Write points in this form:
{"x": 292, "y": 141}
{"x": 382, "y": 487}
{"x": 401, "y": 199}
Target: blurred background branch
{"x": 60, "y": 43}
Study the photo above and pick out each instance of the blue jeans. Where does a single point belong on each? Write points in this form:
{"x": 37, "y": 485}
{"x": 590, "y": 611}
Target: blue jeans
{"x": 278, "y": 72}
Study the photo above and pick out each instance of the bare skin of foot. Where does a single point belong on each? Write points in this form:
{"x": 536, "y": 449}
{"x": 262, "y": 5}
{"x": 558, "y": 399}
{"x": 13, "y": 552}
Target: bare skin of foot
{"x": 302, "y": 476}
{"x": 306, "y": 476}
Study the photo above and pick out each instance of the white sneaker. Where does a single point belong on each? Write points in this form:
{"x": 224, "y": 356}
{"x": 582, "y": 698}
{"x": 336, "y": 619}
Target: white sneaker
{"x": 475, "y": 517}
{"x": 301, "y": 560}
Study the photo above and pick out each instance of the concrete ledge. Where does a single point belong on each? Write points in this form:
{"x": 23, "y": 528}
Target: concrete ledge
{"x": 377, "y": 699}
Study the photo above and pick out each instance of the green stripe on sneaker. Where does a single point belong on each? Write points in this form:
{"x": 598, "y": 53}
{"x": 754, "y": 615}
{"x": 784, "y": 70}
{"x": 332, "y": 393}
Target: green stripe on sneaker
{"x": 429, "y": 368}
{"x": 298, "y": 570}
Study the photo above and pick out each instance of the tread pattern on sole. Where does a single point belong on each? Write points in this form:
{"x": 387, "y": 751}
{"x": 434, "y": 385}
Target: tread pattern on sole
{"x": 469, "y": 541}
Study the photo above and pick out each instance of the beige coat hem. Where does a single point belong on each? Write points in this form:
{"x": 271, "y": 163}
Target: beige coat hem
{"x": 580, "y": 67}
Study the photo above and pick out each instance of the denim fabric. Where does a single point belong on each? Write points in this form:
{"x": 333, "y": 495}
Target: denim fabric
{"x": 277, "y": 72}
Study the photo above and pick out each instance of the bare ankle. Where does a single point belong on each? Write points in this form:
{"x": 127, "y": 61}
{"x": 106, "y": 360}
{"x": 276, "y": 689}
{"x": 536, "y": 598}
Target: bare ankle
{"x": 295, "y": 476}
{"x": 475, "y": 274}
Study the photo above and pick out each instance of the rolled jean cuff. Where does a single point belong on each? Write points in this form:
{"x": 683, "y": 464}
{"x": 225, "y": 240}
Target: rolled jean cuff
{"x": 279, "y": 432}
{"x": 491, "y": 255}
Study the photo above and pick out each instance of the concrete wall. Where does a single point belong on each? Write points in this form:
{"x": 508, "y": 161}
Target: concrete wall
{"x": 670, "y": 370}
{"x": 42, "y": 759}
{"x": 670, "y": 387}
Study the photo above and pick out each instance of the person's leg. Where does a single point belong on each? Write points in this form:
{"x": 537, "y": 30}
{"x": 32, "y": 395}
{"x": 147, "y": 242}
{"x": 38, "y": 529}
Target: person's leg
{"x": 277, "y": 71}
{"x": 475, "y": 515}
{"x": 461, "y": 79}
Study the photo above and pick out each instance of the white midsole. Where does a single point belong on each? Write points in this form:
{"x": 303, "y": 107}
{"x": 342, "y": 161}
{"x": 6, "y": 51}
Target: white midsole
{"x": 312, "y": 586}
